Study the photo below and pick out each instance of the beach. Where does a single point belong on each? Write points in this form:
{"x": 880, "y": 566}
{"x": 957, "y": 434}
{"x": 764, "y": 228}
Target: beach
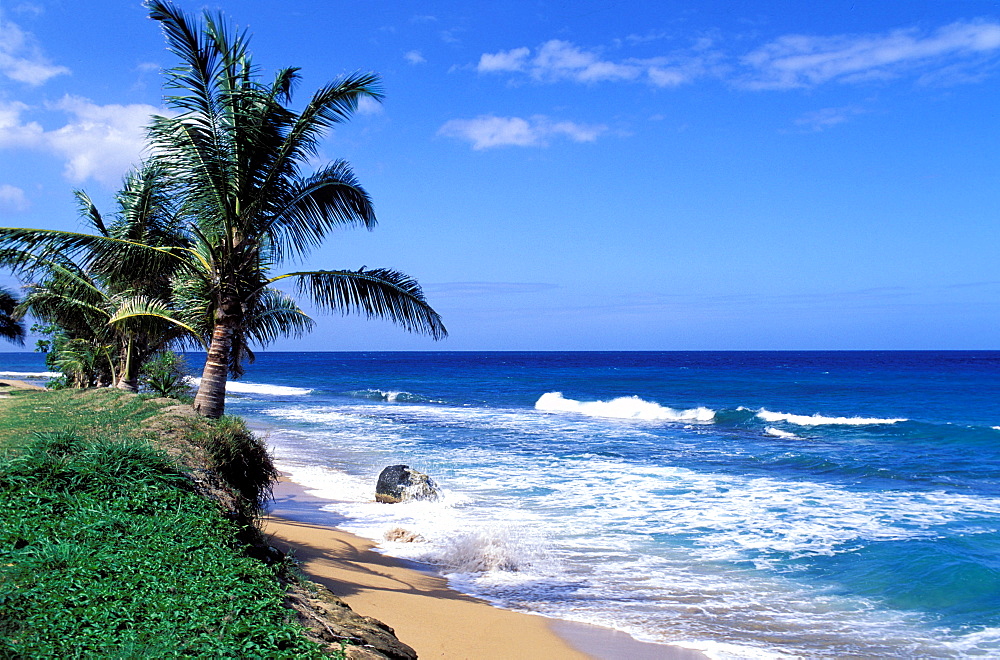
{"x": 437, "y": 621}
{"x": 746, "y": 505}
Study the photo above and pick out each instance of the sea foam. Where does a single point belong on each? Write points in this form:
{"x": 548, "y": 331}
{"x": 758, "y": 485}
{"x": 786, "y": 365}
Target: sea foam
{"x": 257, "y": 388}
{"x": 30, "y": 374}
{"x": 625, "y": 407}
{"x": 820, "y": 420}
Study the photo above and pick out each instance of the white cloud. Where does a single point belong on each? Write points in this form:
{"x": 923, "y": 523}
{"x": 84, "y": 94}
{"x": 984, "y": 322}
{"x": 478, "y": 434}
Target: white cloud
{"x": 13, "y": 133}
{"x": 955, "y": 53}
{"x": 557, "y": 60}
{"x": 820, "y": 120}
{"x": 414, "y": 57}
{"x": 21, "y": 59}
{"x": 804, "y": 61}
{"x": 29, "y": 8}
{"x": 369, "y": 106}
{"x": 505, "y": 60}
{"x": 487, "y": 131}
{"x": 99, "y": 142}
{"x": 13, "y": 199}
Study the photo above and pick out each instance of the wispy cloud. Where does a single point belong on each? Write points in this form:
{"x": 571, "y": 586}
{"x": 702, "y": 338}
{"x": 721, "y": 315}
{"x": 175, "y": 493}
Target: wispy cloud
{"x": 29, "y": 9}
{"x": 13, "y": 199}
{"x": 959, "y": 52}
{"x": 21, "y": 59}
{"x": 557, "y": 60}
{"x": 797, "y": 61}
{"x": 414, "y": 57}
{"x": 99, "y": 142}
{"x": 820, "y": 120}
{"x": 488, "y": 131}
{"x": 369, "y": 106}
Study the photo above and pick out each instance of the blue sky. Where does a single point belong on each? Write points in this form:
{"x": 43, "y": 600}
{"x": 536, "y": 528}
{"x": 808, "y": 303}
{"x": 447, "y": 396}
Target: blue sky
{"x": 594, "y": 175}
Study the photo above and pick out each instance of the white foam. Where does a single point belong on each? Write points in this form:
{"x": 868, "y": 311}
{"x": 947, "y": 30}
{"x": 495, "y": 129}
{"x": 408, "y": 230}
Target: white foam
{"x": 819, "y": 420}
{"x": 778, "y": 433}
{"x": 569, "y": 536}
{"x": 495, "y": 548}
{"x": 30, "y": 374}
{"x": 242, "y": 387}
{"x": 625, "y": 407}
{"x": 391, "y": 396}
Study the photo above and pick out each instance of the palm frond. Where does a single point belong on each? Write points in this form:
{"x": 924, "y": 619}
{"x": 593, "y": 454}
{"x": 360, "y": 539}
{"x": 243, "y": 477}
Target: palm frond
{"x": 273, "y": 314}
{"x": 142, "y": 314}
{"x": 308, "y": 209}
{"x": 51, "y": 245}
{"x": 379, "y": 293}
{"x": 11, "y": 327}
{"x": 89, "y": 212}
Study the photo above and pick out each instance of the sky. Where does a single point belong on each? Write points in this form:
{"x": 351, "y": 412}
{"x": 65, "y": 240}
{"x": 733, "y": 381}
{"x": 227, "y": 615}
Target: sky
{"x": 592, "y": 175}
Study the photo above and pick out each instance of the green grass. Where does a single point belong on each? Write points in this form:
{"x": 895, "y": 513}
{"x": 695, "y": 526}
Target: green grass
{"x": 86, "y": 411}
{"x": 106, "y": 552}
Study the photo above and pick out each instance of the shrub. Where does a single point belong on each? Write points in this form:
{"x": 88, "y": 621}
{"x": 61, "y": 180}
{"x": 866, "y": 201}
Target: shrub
{"x": 165, "y": 374}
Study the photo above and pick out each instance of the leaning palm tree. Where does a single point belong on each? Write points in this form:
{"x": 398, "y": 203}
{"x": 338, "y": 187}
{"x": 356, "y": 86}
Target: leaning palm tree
{"x": 237, "y": 153}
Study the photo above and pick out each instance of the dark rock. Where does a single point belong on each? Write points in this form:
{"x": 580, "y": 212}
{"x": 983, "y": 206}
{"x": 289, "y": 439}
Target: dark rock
{"x": 265, "y": 553}
{"x": 331, "y": 622}
{"x": 397, "y": 483}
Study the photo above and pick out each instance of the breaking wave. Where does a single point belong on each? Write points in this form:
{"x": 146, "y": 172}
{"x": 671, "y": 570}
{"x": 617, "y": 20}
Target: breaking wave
{"x": 257, "y": 388}
{"x": 29, "y": 374}
{"x": 778, "y": 433}
{"x": 625, "y": 407}
{"x": 391, "y": 396}
{"x": 820, "y": 420}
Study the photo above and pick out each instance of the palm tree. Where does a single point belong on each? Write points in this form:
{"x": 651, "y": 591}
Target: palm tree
{"x": 11, "y": 326}
{"x": 233, "y": 156}
{"x": 110, "y": 318}
{"x": 236, "y": 151}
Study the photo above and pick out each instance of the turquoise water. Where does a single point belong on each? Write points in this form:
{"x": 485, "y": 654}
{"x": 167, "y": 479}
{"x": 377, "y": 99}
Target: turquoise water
{"x": 767, "y": 504}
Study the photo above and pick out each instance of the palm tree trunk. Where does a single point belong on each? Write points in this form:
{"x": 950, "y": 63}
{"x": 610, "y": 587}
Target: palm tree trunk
{"x": 211, "y": 399}
{"x": 129, "y": 379}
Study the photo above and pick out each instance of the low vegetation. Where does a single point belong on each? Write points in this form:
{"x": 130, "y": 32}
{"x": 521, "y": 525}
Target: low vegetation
{"x": 109, "y": 546}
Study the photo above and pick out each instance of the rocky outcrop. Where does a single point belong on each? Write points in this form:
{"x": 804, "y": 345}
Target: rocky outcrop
{"x": 331, "y": 622}
{"x": 398, "y": 483}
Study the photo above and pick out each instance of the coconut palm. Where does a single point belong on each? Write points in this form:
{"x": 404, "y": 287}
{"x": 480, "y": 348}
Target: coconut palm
{"x": 110, "y": 318}
{"x": 234, "y": 156}
{"x": 237, "y": 153}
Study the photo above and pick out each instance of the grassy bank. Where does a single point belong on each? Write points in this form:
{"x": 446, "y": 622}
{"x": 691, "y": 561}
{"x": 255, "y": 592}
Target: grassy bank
{"x": 109, "y": 546}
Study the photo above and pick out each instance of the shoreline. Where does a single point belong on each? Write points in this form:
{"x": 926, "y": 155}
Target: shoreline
{"x": 426, "y": 613}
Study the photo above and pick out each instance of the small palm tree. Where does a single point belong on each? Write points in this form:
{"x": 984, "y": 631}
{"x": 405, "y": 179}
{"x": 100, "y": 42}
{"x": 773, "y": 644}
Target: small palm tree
{"x": 122, "y": 312}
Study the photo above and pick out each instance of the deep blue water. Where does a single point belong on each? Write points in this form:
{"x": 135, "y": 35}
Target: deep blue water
{"x": 813, "y": 504}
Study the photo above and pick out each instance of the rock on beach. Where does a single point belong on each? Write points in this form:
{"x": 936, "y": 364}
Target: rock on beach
{"x": 398, "y": 483}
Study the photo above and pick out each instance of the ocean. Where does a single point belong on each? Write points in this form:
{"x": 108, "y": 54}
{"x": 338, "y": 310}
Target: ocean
{"x": 748, "y": 504}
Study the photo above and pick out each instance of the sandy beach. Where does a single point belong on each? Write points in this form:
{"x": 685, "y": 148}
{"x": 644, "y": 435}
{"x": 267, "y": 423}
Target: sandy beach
{"x": 438, "y": 622}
